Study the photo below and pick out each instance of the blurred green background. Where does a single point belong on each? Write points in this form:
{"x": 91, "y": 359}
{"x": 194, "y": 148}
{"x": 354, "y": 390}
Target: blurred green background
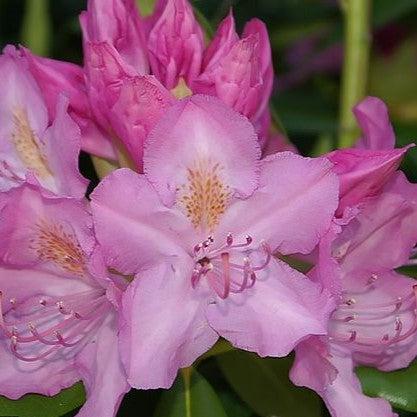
{"x": 306, "y": 38}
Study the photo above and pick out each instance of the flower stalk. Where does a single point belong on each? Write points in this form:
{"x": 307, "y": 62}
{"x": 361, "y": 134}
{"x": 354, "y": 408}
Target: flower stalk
{"x": 357, "y": 41}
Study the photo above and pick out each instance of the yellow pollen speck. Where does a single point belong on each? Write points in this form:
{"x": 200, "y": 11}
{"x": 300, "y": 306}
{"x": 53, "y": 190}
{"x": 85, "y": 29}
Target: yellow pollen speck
{"x": 204, "y": 197}
{"x": 26, "y": 145}
{"x": 52, "y": 243}
{"x": 181, "y": 90}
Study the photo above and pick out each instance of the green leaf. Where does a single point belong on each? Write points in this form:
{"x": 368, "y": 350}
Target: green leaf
{"x": 33, "y": 405}
{"x": 36, "y": 27}
{"x": 190, "y": 396}
{"x": 264, "y": 385}
{"x": 398, "y": 387}
{"x": 385, "y": 11}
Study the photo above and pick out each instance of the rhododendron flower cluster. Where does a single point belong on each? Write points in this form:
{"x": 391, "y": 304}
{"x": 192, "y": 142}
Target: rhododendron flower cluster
{"x": 191, "y": 238}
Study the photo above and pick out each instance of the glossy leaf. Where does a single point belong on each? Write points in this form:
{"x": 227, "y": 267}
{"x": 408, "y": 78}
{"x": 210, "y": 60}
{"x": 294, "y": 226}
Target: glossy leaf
{"x": 190, "y": 396}
{"x": 34, "y": 405}
{"x": 398, "y": 387}
{"x": 264, "y": 385}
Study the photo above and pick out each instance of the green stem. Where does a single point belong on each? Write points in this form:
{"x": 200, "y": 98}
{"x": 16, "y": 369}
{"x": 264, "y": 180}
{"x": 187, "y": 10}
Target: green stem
{"x": 186, "y": 374}
{"x": 355, "y": 68}
{"x": 36, "y": 27}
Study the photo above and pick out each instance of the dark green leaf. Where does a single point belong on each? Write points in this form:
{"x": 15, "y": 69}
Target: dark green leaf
{"x": 264, "y": 385}
{"x": 190, "y": 396}
{"x": 34, "y": 405}
{"x": 398, "y": 387}
{"x": 385, "y": 11}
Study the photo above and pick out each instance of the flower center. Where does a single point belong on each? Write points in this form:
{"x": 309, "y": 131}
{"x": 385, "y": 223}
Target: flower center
{"x": 224, "y": 275}
{"x": 367, "y": 326}
{"x": 181, "y": 90}
{"x": 205, "y": 196}
{"x": 40, "y": 326}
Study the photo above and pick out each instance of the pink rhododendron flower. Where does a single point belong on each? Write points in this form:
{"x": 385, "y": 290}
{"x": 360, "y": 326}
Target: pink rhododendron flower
{"x": 365, "y": 169}
{"x": 238, "y": 71}
{"x": 375, "y": 322}
{"x": 30, "y": 149}
{"x": 199, "y": 230}
{"x": 57, "y": 307}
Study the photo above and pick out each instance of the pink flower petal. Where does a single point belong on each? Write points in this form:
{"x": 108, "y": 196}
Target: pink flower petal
{"x": 281, "y": 309}
{"x": 373, "y": 118}
{"x": 342, "y": 393}
{"x": 293, "y": 206}
{"x": 132, "y": 226}
{"x": 387, "y": 226}
{"x": 101, "y": 370}
{"x": 201, "y": 130}
{"x": 163, "y": 325}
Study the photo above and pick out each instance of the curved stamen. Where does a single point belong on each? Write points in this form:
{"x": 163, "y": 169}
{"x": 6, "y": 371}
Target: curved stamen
{"x": 52, "y": 330}
{"x": 403, "y": 306}
{"x": 218, "y": 268}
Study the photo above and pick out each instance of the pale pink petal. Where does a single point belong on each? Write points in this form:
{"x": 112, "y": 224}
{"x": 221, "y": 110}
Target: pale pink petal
{"x": 18, "y": 378}
{"x": 62, "y": 147}
{"x": 101, "y": 370}
{"x": 372, "y": 116}
{"x": 44, "y": 377}
{"x": 312, "y": 366}
{"x": 327, "y": 270}
{"x": 342, "y": 392}
{"x": 22, "y": 110}
{"x": 387, "y": 226}
{"x": 175, "y": 44}
{"x": 163, "y": 325}
{"x": 292, "y": 208}
{"x": 132, "y": 225}
{"x": 385, "y": 310}
{"x": 281, "y": 309}
{"x": 363, "y": 173}
{"x": 93, "y": 139}
{"x": 29, "y": 218}
{"x": 201, "y": 131}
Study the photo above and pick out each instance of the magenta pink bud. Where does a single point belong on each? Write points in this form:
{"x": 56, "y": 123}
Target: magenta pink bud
{"x": 175, "y": 43}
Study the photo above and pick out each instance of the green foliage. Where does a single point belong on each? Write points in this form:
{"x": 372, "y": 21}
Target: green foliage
{"x": 398, "y": 387}
{"x": 39, "y": 406}
{"x": 191, "y": 396}
{"x": 264, "y": 385}
{"x": 36, "y": 27}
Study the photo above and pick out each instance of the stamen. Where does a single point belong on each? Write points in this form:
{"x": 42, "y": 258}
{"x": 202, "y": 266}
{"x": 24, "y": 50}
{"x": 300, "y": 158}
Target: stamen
{"x": 83, "y": 313}
{"x": 217, "y": 262}
{"x": 371, "y": 316}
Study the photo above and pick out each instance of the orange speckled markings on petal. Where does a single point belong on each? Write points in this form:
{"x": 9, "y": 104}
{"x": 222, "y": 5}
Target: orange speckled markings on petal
{"x": 52, "y": 243}
{"x": 26, "y": 145}
{"x": 205, "y": 196}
